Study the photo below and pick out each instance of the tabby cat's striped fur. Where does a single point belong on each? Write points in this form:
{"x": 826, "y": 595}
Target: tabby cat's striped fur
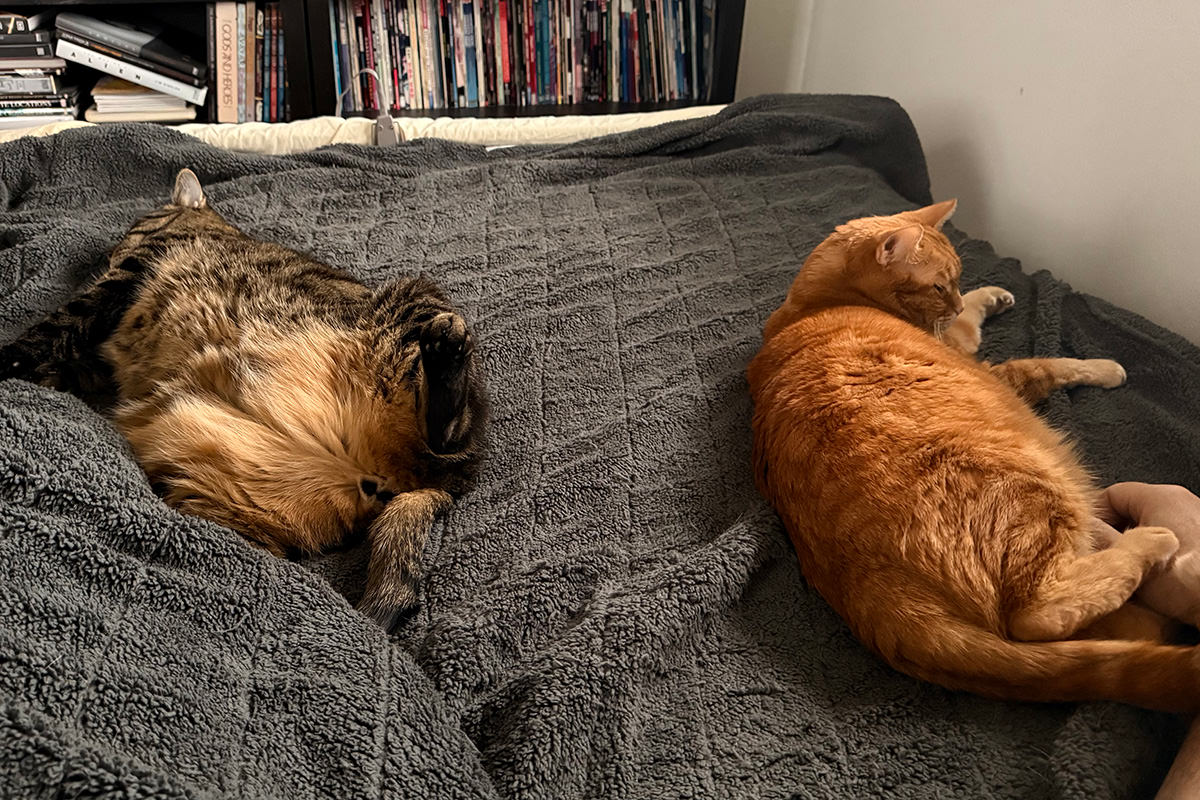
{"x": 271, "y": 393}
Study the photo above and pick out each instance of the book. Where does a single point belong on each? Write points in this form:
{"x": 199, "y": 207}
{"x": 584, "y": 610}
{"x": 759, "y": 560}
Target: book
{"x": 81, "y": 55}
{"x": 19, "y": 64}
{"x": 147, "y": 44}
{"x": 22, "y": 111}
{"x": 26, "y": 50}
{"x": 281, "y": 68}
{"x": 210, "y": 108}
{"x": 248, "y": 60}
{"x": 28, "y": 37}
{"x": 116, "y": 94}
{"x": 31, "y": 83}
{"x": 226, "y": 78}
{"x": 66, "y": 98}
{"x": 186, "y": 114}
{"x": 258, "y": 64}
{"x": 134, "y": 60}
{"x": 239, "y": 77}
{"x": 16, "y": 123}
{"x": 273, "y": 70}
{"x": 469, "y": 59}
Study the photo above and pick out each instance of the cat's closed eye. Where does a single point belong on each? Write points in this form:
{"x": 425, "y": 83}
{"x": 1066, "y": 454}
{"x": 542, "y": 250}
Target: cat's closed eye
{"x": 939, "y": 288}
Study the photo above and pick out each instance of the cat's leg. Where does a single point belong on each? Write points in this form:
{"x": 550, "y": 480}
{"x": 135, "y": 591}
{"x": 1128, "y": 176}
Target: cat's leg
{"x": 398, "y": 536}
{"x": 965, "y": 332}
{"x": 1077, "y": 591}
{"x": 1035, "y": 378}
{"x": 62, "y": 351}
{"x": 1135, "y": 622}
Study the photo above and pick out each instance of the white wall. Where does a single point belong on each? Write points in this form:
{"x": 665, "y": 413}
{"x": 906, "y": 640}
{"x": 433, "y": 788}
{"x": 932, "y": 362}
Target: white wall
{"x": 1069, "y": 131}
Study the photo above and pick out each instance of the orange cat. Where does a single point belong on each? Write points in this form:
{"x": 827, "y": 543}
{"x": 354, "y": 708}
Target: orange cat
{"x": 937, "y": 514}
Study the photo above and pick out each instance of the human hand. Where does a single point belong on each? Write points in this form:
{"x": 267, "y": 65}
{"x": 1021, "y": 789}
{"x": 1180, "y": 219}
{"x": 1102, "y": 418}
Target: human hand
{"x": 1176, "y": 590}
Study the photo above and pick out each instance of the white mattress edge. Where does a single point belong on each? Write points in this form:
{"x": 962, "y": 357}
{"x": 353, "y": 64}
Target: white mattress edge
{"x": 294, "y": 137}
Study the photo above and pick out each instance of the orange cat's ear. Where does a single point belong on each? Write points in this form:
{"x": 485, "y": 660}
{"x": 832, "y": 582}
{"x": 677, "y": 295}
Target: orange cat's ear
{"x": 898, "y": 245}
{"x": 935, "y": 215}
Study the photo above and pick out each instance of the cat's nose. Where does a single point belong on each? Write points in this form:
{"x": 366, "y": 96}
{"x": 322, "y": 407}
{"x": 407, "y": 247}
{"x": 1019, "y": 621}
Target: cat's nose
{"x": 958, "y": 304}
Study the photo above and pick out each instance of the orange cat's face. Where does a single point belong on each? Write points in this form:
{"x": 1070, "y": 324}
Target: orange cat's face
{"x": 902, "y": 264}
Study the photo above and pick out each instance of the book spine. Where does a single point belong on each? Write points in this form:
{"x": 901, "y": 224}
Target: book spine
{"x": 399, "y": 40}
{"x": 281, "y": 67}
{"x": 272, "y": 44}
{"x": 349, "y": 57}
{"x": 36, "y": 102}
{"x": 409, "y": 55}
{"x": 258, "y": 64}
{"x": 28, "y": 84}
{"x": 482, "y": 50}
{"x": 533, "y": 77}
{"x": 369, "y": 55}
{"x": 122, "y": 69}
{"x": 416, "y": 85}
{"x": 26, "y": 50}
{"x": 380, "y": 49}
{"x": 450, "y": 84}
{"x": 336, "y": 49}
{"x": 395, "y": 54}
{"x": 29, "y": 37}
{"x": 239, "y": 66}
{"x": 248, "y": 62}
{"x": 466, "y": 56}
{"x": 429, "y": 74}
{"x": 227, "y": 62}
{"x": 210, "y": 107}
{"x": 460, "y": 69}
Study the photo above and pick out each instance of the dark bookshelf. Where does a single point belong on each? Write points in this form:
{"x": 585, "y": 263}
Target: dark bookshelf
{"x": 190, "y": 17}
{"x": 310, "y": 74}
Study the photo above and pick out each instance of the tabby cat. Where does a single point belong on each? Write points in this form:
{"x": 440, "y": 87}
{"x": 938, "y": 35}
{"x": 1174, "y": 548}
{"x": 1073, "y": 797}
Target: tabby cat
{"x": 271, "y": 393}
{"x": 934, "y": 511}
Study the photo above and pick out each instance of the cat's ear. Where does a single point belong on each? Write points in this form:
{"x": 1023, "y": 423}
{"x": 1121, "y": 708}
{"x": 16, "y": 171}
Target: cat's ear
{"x": 187, "y": 190}
{"x": 896, "y": 246}
{"x": 935, "y": 216}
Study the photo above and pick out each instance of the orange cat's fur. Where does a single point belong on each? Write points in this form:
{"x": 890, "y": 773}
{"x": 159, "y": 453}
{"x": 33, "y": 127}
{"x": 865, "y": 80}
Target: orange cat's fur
{"x": 938, "y": 515}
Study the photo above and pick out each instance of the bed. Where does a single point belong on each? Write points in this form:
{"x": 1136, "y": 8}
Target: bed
{"x": 613, "y": 612}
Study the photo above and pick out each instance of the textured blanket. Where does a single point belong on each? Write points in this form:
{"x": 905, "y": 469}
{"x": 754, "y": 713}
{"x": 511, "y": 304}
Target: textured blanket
{"x": 613, "y": 612}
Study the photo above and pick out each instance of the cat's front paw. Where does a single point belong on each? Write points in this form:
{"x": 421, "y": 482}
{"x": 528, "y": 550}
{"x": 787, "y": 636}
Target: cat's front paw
{"x": 446, "y": 341}
{"x": 990, "y": 299}
{"x": 1102, "y": 372}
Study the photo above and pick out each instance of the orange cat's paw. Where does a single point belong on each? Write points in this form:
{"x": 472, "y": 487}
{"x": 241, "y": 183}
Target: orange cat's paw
{"x": 1102, "y": 372}
{"x": 990, "y": 299}
{"x": 1156, "y": 545}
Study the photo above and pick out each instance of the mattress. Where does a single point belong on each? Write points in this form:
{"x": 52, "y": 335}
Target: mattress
{"x": 293, "y": 137}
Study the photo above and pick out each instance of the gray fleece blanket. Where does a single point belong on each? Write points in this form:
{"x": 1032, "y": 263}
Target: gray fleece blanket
{"x": 613, "y": 612}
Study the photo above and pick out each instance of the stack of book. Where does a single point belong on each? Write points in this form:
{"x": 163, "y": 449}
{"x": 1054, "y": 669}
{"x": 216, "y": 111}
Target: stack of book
{"x": 432, "y": 54}
{"x": 246, "y": 54}
{"x": 119, "y": 100}
{"x": 31, "y": 77}
{"x": 138, "y": 56}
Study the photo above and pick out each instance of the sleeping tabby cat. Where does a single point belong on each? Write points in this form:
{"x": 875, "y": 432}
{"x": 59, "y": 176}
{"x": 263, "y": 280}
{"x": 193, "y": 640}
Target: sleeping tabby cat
{"x": 271, "y": 393}
{"x": 938, "y": 515}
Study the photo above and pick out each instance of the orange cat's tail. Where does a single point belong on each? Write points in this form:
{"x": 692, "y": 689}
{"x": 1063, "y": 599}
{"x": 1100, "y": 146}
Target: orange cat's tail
{"x": 1155, "y": 676}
